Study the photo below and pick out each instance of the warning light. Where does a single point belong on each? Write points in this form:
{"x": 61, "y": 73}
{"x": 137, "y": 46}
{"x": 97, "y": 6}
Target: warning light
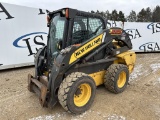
{"x": 115, "y": 31}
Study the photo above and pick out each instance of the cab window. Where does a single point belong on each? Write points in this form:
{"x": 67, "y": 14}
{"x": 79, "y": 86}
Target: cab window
{"x": 85, "y": 28}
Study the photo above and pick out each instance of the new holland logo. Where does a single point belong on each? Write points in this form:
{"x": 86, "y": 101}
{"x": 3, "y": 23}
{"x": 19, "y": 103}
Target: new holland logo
{"x": 86, "y": 48}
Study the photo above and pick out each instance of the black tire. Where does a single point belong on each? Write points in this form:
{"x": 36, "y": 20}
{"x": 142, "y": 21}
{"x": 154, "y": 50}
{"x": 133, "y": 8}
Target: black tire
{"x": 68, "y": 89}
{"x": 112, "y": 76}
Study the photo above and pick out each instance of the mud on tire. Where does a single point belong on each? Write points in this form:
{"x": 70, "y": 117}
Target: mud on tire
{"x": 68, "y": 90}
{"x": 116, "y": 78}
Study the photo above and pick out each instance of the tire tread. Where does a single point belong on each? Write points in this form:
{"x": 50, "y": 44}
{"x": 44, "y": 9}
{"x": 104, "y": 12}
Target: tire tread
{"x": 109, "y": 78}
{"x": 65, "y": 87}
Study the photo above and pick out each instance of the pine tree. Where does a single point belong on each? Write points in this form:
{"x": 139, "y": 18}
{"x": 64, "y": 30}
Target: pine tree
{"x": 141, "y": 16}
{"x": 108, "y": 15}
{"x": 121, "y": 17}
{"x": 102, "y": 14}
{"x": 156, "y": 14}
{"x": 148, "y": 15}
{"x": 145, "y": 15}
{"x": 114, "y": 15}
{"x": 92, "y": 11}
{"x": 97, "y": 12}
{"x": 132, "y": 17}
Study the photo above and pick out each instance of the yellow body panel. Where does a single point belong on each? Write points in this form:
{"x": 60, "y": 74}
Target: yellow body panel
{"x": 128, "y": 58}
{"x": 86, "y": 48}
{"x": 98, "y": 77}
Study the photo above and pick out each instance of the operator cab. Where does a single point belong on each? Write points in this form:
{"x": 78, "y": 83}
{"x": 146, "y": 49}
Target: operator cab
{"x": 72, "y": 27}
{"x": 69, "y": 26}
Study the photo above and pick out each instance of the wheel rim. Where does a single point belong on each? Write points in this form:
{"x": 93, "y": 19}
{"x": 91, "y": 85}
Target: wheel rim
{"x": 122, "y": 79}
{"x": 82, "y": 95}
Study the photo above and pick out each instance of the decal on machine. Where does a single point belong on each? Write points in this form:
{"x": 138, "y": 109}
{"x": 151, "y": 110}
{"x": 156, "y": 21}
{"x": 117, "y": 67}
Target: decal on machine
{"x": 86, "y": 48}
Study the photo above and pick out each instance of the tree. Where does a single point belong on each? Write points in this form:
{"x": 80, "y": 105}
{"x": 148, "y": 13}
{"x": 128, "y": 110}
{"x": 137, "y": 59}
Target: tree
{"x": 145, "y": 15}
{"x": 132, "y": 17}
{"x": 92, "y": 11}
{"x": 97, "y": 11}
{"x": 141, "y": 16}
{"x": 156, "y": 14}
{"x": 148, "y": 15}
{"x": 121, "y": 17}
{"x": 102, "y": 14}
{"x": 114, "y": 15}
{"x": 108, "y": 15}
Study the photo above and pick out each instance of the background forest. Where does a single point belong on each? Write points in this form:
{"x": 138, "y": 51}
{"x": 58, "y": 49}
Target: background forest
{"x": 145, "y": 15}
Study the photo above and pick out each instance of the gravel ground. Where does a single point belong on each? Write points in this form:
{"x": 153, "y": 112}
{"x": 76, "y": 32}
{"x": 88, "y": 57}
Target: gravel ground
{"x": 140, "y": 100}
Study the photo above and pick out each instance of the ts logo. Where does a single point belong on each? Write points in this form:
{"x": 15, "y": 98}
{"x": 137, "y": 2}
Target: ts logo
{"x": 30, "y": 40}
{"x": 150, "y": 47}
{"x": 155, "y": 27}
{"x": 133, "y": 33}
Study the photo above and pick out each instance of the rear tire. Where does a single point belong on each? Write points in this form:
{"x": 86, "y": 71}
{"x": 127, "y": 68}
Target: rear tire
{"x": 76, "y": 93}
{"x": 116, "y": 78}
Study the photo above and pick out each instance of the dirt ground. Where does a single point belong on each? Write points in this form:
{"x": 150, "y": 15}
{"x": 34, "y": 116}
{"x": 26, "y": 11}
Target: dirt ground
{"x": 140, "y": 100}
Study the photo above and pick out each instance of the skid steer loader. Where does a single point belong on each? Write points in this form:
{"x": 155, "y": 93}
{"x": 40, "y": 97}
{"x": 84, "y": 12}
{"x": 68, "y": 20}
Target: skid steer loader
{"x": 81, "y": 53}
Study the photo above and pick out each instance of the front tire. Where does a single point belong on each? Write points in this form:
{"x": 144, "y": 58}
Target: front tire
{"x": 116, "y": 78}
{"x": 76, "y": 93}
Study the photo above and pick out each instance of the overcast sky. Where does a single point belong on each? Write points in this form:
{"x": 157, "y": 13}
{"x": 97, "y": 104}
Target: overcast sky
{"x": 87, "y": 5}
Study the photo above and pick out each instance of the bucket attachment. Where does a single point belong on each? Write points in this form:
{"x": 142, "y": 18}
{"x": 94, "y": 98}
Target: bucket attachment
{"x": 39, "y": 87}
